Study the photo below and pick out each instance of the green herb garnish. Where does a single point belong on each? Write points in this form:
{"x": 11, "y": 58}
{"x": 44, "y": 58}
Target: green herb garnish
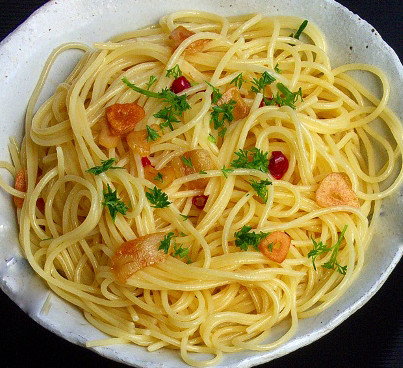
{"x": 159, "y": 178}
{"x": 216, "y": 93}
{"x": 202, "y": 172}
{"x": 166, "y": 242}
{"x": 300, "y": 30}
{"x": 105, "y": 165}
{"x": 152, "y": 134}
{"x": 175, "y": 72}
{"x": 285, "y": 98}
{"x": 251, "y": 159}
{"x": 320, "y": 248}
{"x": 260, "y": 188}
{"x": 260, "y": 84}
{"x": 181, "y": 252}
{"x": 222, "y": 113}
{"x": 157, "y": 198}
{"x": 171, "y": 113}
{"x": 212, "y": 139}
{"x": 151, "y": 81}
{"x": 184, "y": 217}
{"x": 238, "y": 81}
{"x": 222, "y": 132}
{"x": 226, "y": 171}
{"x": 114, "y": 204}
{"x": 277, "y": 69}
{"x": 187, "y": 161}
{"x": 244, "y": 238}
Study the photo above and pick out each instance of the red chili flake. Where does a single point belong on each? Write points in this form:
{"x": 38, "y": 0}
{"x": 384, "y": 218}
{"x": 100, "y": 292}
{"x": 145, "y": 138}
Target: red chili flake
{"x": 278, "y": 164}
{"x": 200, "y": 201}
{"x": 145, "y": 161}
{"x": 180, "y": 84}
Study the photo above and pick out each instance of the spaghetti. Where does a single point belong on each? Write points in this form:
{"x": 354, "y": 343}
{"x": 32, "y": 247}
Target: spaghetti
{"x": 244, "y": 193}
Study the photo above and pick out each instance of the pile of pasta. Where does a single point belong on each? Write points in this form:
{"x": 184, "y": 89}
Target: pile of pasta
{"x": 194, "y": 183}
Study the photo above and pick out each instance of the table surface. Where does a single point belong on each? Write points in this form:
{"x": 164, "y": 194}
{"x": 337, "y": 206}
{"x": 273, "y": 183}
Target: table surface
{"x": 372, "y": 337}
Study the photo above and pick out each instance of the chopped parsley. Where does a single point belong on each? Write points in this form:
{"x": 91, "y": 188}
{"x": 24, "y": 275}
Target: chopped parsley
{"x": 277, "y": 69}
{"x": 286, "y": 97}
{"x": 181, "y": 252}
{"x": 320, "y": 248}
{"x": 187, "y": 161}
{"x": 212, "y": 139}
{"x": 260, "y": 188}
{"x": 159, "y": 178}
{"x": 157, "y": 198}
{"x": 166, "y": 242}
{"x": 300, "y": 30}
{"x": 222, "y": 113}
{"x": 175, "y": 72}
{"x": 184, "y": 217}
{"x": 222, "y": 132}
{"x": 216, "y": 93}
{"x": 152, "y": 134}
{"x": 114, "y": 204}
{"x": 105, "y": 165}
{"x": 226, "y": 171}
{"x": 244, "y": 238}
{"x": 202, "y": 172}
{"x": 238, "y": 81}
{"x": 151, "y": 81}
{"x": 170, "y": 114}
{"x": 260, "y": 84}
{"x": 251, "y": 159}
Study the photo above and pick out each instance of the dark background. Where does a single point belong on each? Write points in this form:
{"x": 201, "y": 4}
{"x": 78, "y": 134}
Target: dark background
{"x": 372, "y": 337}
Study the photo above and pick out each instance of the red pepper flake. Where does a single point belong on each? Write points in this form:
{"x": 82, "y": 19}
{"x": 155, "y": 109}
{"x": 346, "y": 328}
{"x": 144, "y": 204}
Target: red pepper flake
{"x": 200, "y": 201}
{"x": 278, "y": 164}
{"x": 145, "y": 161}
{"x": 180, "y": 84}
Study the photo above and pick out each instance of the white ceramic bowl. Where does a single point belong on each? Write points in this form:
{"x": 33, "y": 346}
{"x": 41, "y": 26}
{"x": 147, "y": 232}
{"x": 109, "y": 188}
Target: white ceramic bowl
{"x": 350, "y": 40}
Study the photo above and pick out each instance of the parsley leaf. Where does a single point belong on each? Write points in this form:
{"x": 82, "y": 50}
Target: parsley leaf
{"x": 151, "y": 81}
{"x": 171, "y": 113}
{"x": 238, "y": 81}
{"x": 258, "y": 160}
{"x": 169, "y": 116}
{"x": 216, "y": 93}
{"x": 202, "y": 172}
{"x": 152, "y": 134}
{"x": 181, "y": 252}
{"x": 260, "y": 188}
{"x": 184, "y": 217}
{"x": 222, "y": 113}
{"x": 159, "y": 178}
{"x": 261, "y": 83}
{"x": 157, "y": 198}
{"x": 320, "y": 248}
{"x": 289, "y": 99}
{"x": 300, "y": 30}
{"x": 212, "y": 139}
{"x": 244, "y": 238}
{"x": 105, "y": 165}
{"x": 114, "y": 204}
{"x": 175, "y": 72}
{"x": 226, "y": 171}
{"x": 166, "y": 243}
{"x": 222, "y": 132}
{"x": 277, "y": 69}
{"x": 187, "y": 161}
